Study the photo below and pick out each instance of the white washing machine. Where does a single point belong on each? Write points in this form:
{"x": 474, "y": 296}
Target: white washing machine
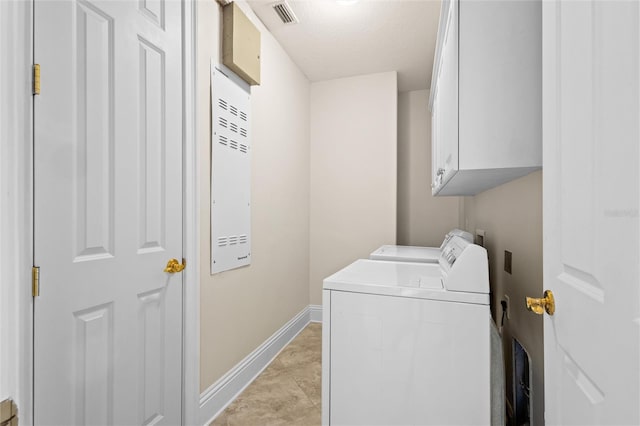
{"x": 418, "y": 254}
{"x": 408, "y": 343}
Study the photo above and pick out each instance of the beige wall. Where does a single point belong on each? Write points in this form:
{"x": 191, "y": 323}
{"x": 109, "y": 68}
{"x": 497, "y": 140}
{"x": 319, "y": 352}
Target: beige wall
{"x": 353, "y": 172}
{"x": 423, "y": 219}
{"x": 511, "y": 216}
{"x": 241, "y": 308}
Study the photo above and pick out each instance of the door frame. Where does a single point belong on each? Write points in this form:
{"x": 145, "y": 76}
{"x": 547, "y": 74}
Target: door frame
{"x": 16, "y": 221}
{"x": 16, "y": 225}
{"x": 190, "y": 221}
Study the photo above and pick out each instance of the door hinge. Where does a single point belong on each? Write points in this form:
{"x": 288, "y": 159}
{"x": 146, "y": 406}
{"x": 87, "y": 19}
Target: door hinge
{"x": 35, "y": 281}
{"x": 36, "y": 79}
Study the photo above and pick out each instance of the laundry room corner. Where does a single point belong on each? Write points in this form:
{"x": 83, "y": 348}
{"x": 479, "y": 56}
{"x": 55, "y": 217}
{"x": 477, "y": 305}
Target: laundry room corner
{"x": 353, "y": 171}
{"x": 423, "y": 220}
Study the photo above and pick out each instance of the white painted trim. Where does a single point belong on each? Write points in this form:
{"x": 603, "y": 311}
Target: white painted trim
{"x": 219, "y": 395}
{"x": 16, "y": 195}
{"x": 191, "y": 223}
{"x": 326, "y": 360}
{"x": 315, "y": 313}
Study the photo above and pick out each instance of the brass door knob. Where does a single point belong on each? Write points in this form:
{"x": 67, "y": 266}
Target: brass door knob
{"x": 174, "y": 266}
{"x": 539, "y": 306}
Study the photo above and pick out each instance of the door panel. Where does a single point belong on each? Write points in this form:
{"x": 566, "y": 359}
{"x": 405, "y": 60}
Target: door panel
{"x": 93, "y": 361}
{"x": 108, "y": 212}
{"x": 152, "y": 176}
{"x": 591, "y": 203}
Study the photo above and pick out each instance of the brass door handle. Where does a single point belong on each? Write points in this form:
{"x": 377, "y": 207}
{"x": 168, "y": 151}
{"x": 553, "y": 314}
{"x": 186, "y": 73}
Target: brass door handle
{"x": 174, "y": 266}
{"x": 539, "y": 306}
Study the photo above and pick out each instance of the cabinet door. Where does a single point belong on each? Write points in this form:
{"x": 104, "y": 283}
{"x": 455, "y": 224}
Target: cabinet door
{"x": 445, "y": 144}
{"x": 435, "y": 142}
{"x": 500, "y": 95}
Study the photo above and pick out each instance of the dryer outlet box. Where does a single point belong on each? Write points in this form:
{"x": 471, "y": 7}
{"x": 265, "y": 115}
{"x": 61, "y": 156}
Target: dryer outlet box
{"x": 507, "y": 261}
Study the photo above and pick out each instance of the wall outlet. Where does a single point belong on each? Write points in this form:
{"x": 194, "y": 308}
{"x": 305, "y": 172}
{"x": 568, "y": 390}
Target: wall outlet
{"x": 480, "y": 237}
{"x": 507, "y": 261}
{"x": 506, "y": 299}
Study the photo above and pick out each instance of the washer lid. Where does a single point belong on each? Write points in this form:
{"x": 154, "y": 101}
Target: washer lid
{"x": 404, "y": 279}
{"x": 407, "y": 254}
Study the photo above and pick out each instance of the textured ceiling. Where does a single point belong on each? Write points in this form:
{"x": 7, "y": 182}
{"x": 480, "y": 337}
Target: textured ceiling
{"x": 335, "y": 40}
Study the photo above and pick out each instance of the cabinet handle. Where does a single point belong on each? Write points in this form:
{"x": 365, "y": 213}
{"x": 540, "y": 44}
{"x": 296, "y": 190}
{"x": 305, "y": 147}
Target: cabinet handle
{"x": 440, "y": 172}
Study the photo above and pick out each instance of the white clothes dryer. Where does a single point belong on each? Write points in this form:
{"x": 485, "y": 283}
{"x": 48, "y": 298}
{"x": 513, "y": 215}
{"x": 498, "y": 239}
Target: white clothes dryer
{"x": 408, "y": 343}
{"x": 415, "y": 253}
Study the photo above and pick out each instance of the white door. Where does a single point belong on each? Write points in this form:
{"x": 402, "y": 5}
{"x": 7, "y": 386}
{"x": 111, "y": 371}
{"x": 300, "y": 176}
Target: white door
{"x": 108, "y": 212}
{"x": 591, "y": 81}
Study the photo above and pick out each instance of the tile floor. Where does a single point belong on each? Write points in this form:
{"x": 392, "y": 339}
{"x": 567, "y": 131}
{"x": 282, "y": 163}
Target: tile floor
{"x": 288, "y": 390}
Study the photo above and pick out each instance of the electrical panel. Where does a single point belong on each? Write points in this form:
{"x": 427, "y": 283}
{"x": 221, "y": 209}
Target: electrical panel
{"x": 230, "y": 172}
{"x": 240, "y": 44}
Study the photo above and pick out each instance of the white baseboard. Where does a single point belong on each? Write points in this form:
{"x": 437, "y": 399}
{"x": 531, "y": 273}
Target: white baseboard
{"x": 315, "y": 313}
{"x": 222, "y": 393}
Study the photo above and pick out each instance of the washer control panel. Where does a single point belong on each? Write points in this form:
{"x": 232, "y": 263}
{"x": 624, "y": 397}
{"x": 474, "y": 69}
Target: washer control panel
{"x": 455, "y": 233}
{"x": 465, "y": 266}
{"x": 452, "y": 251}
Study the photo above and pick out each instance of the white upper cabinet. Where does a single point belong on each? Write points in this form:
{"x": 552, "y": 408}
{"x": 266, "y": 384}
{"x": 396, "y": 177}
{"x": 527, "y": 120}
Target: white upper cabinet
{"x": 486, "y": 95}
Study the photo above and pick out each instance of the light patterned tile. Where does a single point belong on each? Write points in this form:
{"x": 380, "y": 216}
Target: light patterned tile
{"x": 288, "y": 390}
{"x": 309, "y": 379}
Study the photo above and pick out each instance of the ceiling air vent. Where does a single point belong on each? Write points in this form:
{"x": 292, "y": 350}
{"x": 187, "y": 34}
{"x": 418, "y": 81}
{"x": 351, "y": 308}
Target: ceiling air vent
{"x": 285, "y": 12}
